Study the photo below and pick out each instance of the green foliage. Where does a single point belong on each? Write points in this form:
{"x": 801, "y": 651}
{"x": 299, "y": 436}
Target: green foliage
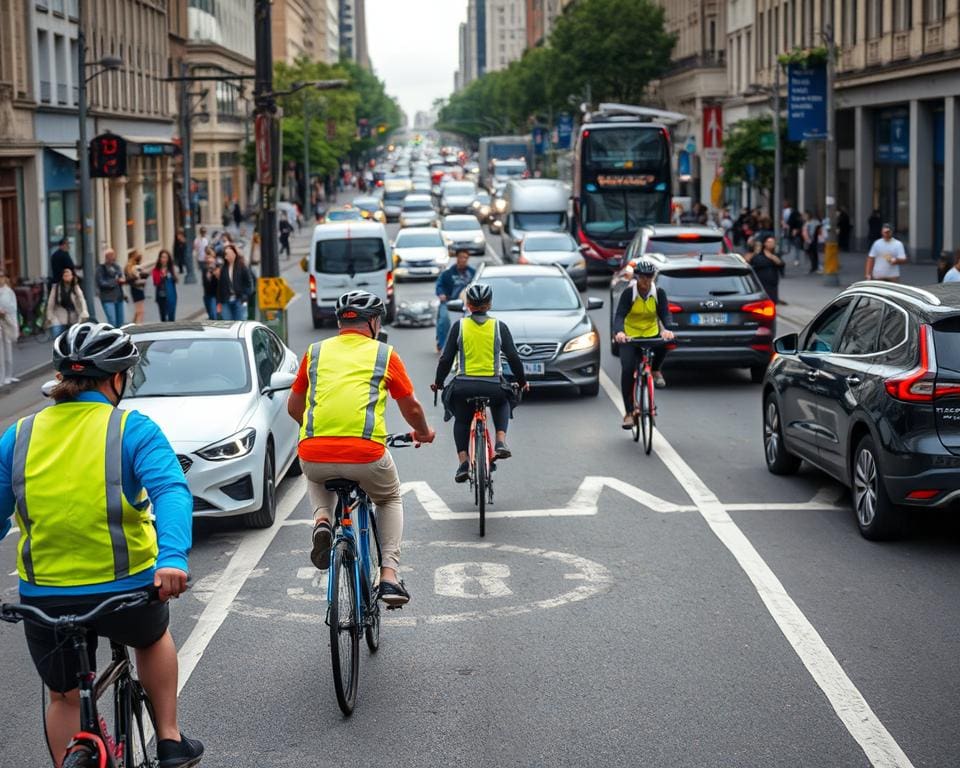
{"x": 742, "y": 146}
{"x": 805, "y": 57}
{"x": 609, "y": 48}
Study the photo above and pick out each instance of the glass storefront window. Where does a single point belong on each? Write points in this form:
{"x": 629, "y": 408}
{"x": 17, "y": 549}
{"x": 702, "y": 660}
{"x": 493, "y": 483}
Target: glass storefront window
{"x": 151, "y": 228}
{"x": 226, "y": 187}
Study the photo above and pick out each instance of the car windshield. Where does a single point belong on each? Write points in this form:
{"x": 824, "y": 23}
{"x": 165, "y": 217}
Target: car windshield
{"x": 539, "y": 222}
{"x": 367, "y": 204}
{"x": 417, "y": 205}
{"x": 459, "y": 188}
{"x": 343, "y": 215}
{"x": 696, "y": 283}
{"x": 348, "y": 257}
{"x": 682, "y": 246}
{"x": 196, "y": 367}
{"x": 426, "y": 239}
{"x": 555, "y": 243}
{"x": 509, "y": 169}
{"x": 535, "y": 293}
{"x": 462, "y": 225}
{"x": 395, "y": 195}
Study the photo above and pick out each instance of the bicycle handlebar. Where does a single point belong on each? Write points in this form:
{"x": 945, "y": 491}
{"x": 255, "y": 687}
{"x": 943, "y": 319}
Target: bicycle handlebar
{"x": 401, "y": 440}
{"x": 16, "y": 612}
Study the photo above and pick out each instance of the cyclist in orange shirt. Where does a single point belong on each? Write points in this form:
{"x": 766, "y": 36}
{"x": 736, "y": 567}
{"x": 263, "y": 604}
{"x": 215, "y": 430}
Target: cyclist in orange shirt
{"x": 340, "y": 399}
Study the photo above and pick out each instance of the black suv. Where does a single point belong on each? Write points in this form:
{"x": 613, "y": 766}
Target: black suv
{"x": 869, "y": 392}
{"x": 719, "y": 311}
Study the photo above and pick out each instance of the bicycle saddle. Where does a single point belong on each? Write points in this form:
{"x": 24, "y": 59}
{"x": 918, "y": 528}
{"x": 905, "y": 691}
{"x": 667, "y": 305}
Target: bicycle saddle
{"x": 341, "y": 484}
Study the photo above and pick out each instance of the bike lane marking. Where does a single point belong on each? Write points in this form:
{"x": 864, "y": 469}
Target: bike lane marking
{"x": 855, "y": 713}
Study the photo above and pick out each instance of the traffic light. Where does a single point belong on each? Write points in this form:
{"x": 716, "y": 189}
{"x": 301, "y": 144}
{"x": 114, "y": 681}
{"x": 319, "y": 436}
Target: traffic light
{"x": 108, "y": 156}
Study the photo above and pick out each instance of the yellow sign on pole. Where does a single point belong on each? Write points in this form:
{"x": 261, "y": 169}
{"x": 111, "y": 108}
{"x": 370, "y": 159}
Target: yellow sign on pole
{"x": 273, "y": 293}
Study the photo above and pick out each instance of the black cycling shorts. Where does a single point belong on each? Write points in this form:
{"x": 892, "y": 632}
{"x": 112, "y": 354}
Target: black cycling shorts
{"x": 56, "y": 661}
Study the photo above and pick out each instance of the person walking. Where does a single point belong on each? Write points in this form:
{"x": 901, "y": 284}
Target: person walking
{"x": 180, "y": 251}
{"x": 66, "y": 304}
{"x": 211, "y": 276}
{"x": 885, "y": 257}
{"x": 767, "y": 263}
{"x": 9, "y": 329}
{"x": 234, "y": 285}
{"x": 165, "y": 285}
{"x": 136, "y": 278}
{"x": 811, "y": 239}
{"x": 110, "y": 282}
{"x": 200, "y": 243}
{"x": 450, "y": 285}
{"x": 285, "y": 228}
{"x": 843, "y": 229}
{"x": 60, "y": 260}
{"x": 237, "y": 214}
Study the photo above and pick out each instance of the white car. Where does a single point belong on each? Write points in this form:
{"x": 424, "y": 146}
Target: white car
{"x": 463, "y": 232}
{"x": 555, "y": 248}
{"x": 418, "y": 211}
{"x": 219, "y": 391}
{"x": 419, "y": 252}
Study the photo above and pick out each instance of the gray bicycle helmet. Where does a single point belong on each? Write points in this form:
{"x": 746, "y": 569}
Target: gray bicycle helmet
{"x": 360, "y": 305}
{"x": 645, "y": 268}
{"x": 479, "y": 294}
{"x": 94, "y": 350}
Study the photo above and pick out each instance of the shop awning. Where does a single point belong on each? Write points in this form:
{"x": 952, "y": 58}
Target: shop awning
{"x": 68, "y": 152}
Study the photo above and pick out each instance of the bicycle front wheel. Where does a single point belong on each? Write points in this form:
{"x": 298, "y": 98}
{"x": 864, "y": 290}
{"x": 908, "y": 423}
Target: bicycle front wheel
{"x": 344, "y": 627}
{"x": 646, "y": 412}
{"x": 372, "y": 630}
{"x": 481, "y": 458}
{"x": 136, "y": 724}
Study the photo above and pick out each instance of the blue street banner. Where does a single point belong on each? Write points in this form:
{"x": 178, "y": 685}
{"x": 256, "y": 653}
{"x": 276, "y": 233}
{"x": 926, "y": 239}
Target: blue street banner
{"x": 564, "y": 130}
{"x": 806, "y": 102}
{"x": 541, "y": 140}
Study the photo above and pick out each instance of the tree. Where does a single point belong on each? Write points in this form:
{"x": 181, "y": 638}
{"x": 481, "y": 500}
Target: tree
{"x": 743, "y": 145}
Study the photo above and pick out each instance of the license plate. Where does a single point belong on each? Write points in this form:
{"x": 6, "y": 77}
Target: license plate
{"x": 709, "y": 318}
{"x": 533, "y": 369}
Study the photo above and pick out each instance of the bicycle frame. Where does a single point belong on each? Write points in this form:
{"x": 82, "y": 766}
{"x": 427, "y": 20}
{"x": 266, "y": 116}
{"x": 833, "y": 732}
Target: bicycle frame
{"x": 353, "y": 514}
{"x": 479, "y": 422}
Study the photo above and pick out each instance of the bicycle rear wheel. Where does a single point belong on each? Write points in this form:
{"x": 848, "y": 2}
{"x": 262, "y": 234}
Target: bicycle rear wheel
{"x": 136, "y": 722}
{"x": 481, "y": 458}
{"x": 344, "y": 627}
{"x": 646, "y": 411}
{"x": 637, "y": 380}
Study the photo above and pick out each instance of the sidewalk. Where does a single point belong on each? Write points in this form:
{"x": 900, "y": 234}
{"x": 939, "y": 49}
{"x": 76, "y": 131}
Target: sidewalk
{"x": 806, "y": 294}
{"x": 30, "y": 357}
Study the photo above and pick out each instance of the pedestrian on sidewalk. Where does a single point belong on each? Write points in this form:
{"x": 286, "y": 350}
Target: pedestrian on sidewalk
{"x": 952, "y": 275}
{"x": 66, "y": 304}
{"x": 60, "y": 260}
{"x": 767, "y": 264}
{"x": 200, "y": 243}
{"x": 110, "y": 282}
{"x": 811, "y": 239}
{"x": 285, "y": 228}
{"x": 211, "y": 275}
{"x": 165, "y": 284}
{"x": 137, "y": 279}
{"x": 180, "y": 251}
{"x": 234, "y": 286}
{"x": 9, "y": 329}
{"x": 237, "y": 214}
{"x": 885, "y": 257}
{"x": 843, "y": 228}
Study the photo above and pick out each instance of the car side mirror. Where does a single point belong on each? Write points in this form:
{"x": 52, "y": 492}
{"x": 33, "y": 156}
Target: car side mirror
{"x": 594, "y": 303}
{"x": 455, "y": 305}
{"x": 787, "y": 345}
{"x": 279, "y": 381}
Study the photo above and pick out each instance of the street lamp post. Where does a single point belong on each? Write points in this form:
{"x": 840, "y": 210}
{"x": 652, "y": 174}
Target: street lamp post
{"x": 777, "y": 160}
{"x": 831, "y": 248}
{"x": 306, "y": 157}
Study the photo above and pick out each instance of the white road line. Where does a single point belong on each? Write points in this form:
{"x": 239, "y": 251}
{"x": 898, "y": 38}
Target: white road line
{"x": 859, "y": 719}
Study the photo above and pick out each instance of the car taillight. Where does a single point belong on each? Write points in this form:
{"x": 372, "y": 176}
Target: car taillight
{"x": 688, "y": 236}
{"x": 389, "y": 284}
{"x": 313, "y": 287}
{"x": 918, "y": 385}
{"x": 674, "y": 308}
{"x": 765, "y": 309}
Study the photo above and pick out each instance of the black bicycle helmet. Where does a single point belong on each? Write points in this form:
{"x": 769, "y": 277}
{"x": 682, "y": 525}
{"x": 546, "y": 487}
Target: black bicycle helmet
{"x": 644, "y": 267}
{"x": 94, "y": 350}
{"x": 360, "y": 305}
{"x": 479, "y": 294}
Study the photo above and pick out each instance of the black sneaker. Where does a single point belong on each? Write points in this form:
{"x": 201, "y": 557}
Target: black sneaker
{"x": 463, "y": 473}
{"x": 322, "y": 539}
{"x": 179, "y": 754}
{"x": 394, "y": 594}
{"x": 501, "y": 450}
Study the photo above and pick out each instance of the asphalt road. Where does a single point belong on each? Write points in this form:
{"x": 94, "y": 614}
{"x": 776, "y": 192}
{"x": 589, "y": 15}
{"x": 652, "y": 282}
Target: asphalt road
{"x": 681, "y": 609}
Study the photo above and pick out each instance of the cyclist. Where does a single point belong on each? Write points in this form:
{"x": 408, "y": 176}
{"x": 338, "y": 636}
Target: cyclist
{"x": 78, "y": 475}
{"x": 642, "y": 312}
{"x": 340, "y": 399}
{"x": 477, "y": 341}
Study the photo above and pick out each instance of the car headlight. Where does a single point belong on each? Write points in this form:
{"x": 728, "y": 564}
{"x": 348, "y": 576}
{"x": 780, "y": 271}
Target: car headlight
{"x": 581, "y": 264}
{"x": 584, "y": 341}
{"x": 233, "y": 447}
{"x": 484, "y": 210}
{"x": 475, "y": 204}
{"x": 500, "y": 205}
{"x": 478, "y": 238}
{"x": 396, "y": 258}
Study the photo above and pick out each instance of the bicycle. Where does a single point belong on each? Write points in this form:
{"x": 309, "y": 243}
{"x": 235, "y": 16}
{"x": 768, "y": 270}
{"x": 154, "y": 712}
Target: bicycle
{"x": 644, "y": 405}
{"x": 352, "y": 583}
{"x": 31, "y": 310}
{"x": 480, "y": 453}
{"x": 94, "y": 745}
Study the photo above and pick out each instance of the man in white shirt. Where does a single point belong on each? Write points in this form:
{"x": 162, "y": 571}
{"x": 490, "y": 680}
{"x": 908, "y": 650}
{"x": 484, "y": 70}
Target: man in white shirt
{"x": 885, "y": 257}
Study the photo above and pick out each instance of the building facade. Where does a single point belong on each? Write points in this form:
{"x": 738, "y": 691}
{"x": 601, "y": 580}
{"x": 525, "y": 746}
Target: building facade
{"x": 20, "y": 156}
{"x": 541, "y": 16}
{"x": 305, "y": 28}
{"x": 506, "y": 32}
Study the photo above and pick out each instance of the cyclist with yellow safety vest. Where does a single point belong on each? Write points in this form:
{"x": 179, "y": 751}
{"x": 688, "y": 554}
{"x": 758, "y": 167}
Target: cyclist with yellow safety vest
{"x": 103, "y": 508}
{"x": 340, "y": 401}
{"x": 642, "y": 312}
{"x": 477, "y": 343}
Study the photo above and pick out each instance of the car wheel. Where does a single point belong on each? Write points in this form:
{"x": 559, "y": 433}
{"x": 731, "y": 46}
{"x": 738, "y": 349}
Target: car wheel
{"x": 779, "y": 461}
{"x": 391, "y": 312}
{"x": 877, "y": 516}
{"x": 592, "y": 389}
{"x": 757, "y": 372}
{"x": 317, "y": 322}
{"x": 264, "y": 517}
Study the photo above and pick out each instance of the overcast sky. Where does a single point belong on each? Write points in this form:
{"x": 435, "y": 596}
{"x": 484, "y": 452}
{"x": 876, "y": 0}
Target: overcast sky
{"x": 414, "y": 48}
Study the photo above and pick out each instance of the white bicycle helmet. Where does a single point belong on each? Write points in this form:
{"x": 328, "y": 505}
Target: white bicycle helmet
{"x": 94, "y": 350}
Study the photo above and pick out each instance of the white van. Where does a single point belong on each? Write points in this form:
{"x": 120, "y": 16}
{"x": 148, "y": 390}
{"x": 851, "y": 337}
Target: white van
{"x": 347, "y": 256}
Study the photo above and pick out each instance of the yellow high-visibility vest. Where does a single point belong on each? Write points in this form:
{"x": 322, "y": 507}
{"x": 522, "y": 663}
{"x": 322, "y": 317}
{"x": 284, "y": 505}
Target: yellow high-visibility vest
{"x": 346, "y": 391}
{"x": 480, "y": 347}
{"x": 641, "y": 321}
{"x": 76, "y": 525}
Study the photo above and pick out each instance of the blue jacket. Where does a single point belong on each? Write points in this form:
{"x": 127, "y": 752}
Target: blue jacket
{"x": 451, "y": 281}
{"x": 148, "y": 462}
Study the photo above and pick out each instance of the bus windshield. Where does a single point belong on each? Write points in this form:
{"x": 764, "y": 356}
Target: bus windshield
{"x": 618, "y": 213}
{"x": 627, "y": 148}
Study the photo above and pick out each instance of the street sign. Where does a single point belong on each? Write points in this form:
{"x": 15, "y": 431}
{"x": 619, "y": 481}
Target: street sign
{"x": 713, "y": 127}
{"x": 564, "y": 130}
{"x": 713, "y": 155}
{"x": 273, "y": 293}
{"x": 751, "y": 172}
{"x": 767, "y": 141}
{"x": 684, "y": 166}
{"x": 806, "y": 102}
{"x": 540, "y": 140}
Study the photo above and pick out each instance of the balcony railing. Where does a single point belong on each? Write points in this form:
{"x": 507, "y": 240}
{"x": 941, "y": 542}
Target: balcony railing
{"x": 45, "y": 91}
{"x": 703, "y": 60}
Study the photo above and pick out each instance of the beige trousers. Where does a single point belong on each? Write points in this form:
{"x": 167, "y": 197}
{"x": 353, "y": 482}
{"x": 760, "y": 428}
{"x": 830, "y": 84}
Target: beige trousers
{"x": 382, "y": 484}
